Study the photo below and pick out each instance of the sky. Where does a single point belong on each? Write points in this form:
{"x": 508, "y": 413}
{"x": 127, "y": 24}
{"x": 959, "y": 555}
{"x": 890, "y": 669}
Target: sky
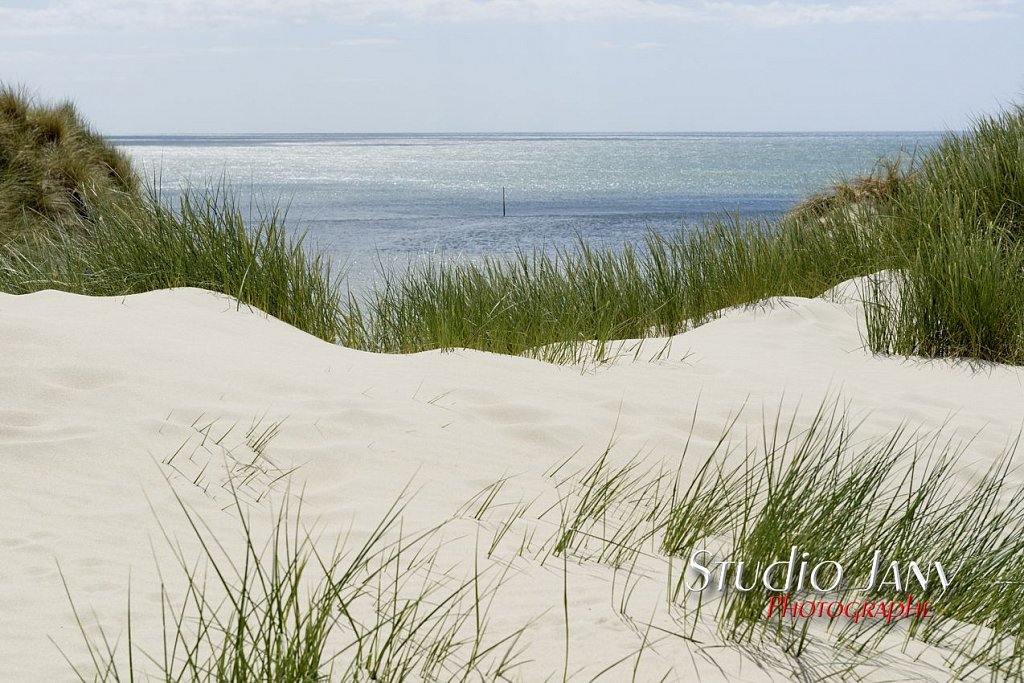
{"x": 303, "y": 66}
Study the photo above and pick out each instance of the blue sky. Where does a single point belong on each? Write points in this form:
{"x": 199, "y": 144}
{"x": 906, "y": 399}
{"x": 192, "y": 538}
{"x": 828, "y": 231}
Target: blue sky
{"x": 241, "y": 66}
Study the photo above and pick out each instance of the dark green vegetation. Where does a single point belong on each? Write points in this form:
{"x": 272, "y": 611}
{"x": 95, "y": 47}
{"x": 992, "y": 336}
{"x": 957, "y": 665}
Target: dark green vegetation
{"x": 959, "y": 232}
{"x": 669, "y": 284}
{"x": 73, "y": 217}
{"x": 54, "y": 170}
{"x": 205, "y": 241}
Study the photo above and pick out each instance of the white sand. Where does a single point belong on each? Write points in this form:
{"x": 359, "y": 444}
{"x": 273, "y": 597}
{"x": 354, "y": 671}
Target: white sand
{"x": 95, "y": 393}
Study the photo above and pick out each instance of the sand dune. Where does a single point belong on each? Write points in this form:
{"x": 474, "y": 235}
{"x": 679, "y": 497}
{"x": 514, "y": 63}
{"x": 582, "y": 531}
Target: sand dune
{"x": 111, "y": 405}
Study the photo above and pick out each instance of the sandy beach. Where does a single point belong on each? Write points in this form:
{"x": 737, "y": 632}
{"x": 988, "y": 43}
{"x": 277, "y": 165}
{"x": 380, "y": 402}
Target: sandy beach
{"x": 114, "y": 406}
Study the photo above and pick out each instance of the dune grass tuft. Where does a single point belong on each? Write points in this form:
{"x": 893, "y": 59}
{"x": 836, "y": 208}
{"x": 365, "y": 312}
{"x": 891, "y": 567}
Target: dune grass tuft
{"x": 813, "y": 483}
{"x": 961, "y": 249}
{"x": 889, "y": 179}
{"x": 284, "y": 610}
{"x": 908, "y": 496}
{"x": 206, "y": 241}
{"x": 961, "y": 295}
{"x": 53, "y": 168}
{"x": 547, "y": 304}
{"x": 73, "y": 217}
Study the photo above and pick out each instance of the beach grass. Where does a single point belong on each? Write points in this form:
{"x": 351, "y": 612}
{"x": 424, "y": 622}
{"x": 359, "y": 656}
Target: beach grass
{"x": 287, "y": 610}
{"x": 206, "y": 240}
{"x": 949, "y": 221}
{"x": 280, "y": 605}
{"x": 961, "y": 235}
{"x": 954, "y": 210}
{"x": 960, "y": 295}
{"x": 546, "y": 304}
{"x": 909, "y": 496}
{"x": 75, "y": 217}
{"x": 55, "y": 171}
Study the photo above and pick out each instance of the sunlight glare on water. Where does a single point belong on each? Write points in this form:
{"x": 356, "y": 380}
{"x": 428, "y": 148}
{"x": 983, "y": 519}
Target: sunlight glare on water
{"x": 392, "y": 198}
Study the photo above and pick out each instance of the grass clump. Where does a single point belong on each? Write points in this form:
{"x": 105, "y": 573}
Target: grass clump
{"x": 73, "y": 218}
{"x": 206, "y": 241}
{"x": 546, "y": 305}
{"x": 54, "y": 170}
{"x": 961, "y": 295}
{"x": 961, "y": 250}
{"x": 905, "y": 497}
{"x": 977, "y": 177}
{"x": 837, "y": 500}
{"x": 284, "y": 611}
{"x": 890, "y": 179}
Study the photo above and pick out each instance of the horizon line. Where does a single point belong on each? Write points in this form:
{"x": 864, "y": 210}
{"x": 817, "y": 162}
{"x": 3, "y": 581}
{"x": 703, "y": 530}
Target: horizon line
{"x": 533, "y": 132}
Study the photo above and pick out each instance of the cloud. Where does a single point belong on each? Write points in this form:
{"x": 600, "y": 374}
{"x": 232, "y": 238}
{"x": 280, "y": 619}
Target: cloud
{"x": 347, "y": 81}
{"x": 794, "y": 13}
{"x": 649, "y": 45}
{"x": 360, "y": 42}
{"x": 70, "y": 16}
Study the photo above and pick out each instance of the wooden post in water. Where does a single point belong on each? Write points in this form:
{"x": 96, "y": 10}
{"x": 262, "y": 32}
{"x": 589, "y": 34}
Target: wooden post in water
{"x": 502, "y": 201}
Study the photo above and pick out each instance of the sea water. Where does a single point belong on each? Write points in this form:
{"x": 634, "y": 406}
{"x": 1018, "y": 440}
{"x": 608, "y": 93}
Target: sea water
{"x": 385, "y": 200}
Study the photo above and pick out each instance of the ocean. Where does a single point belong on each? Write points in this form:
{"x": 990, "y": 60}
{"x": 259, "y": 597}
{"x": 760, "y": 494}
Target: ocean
{"x": 390, "y": 199}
